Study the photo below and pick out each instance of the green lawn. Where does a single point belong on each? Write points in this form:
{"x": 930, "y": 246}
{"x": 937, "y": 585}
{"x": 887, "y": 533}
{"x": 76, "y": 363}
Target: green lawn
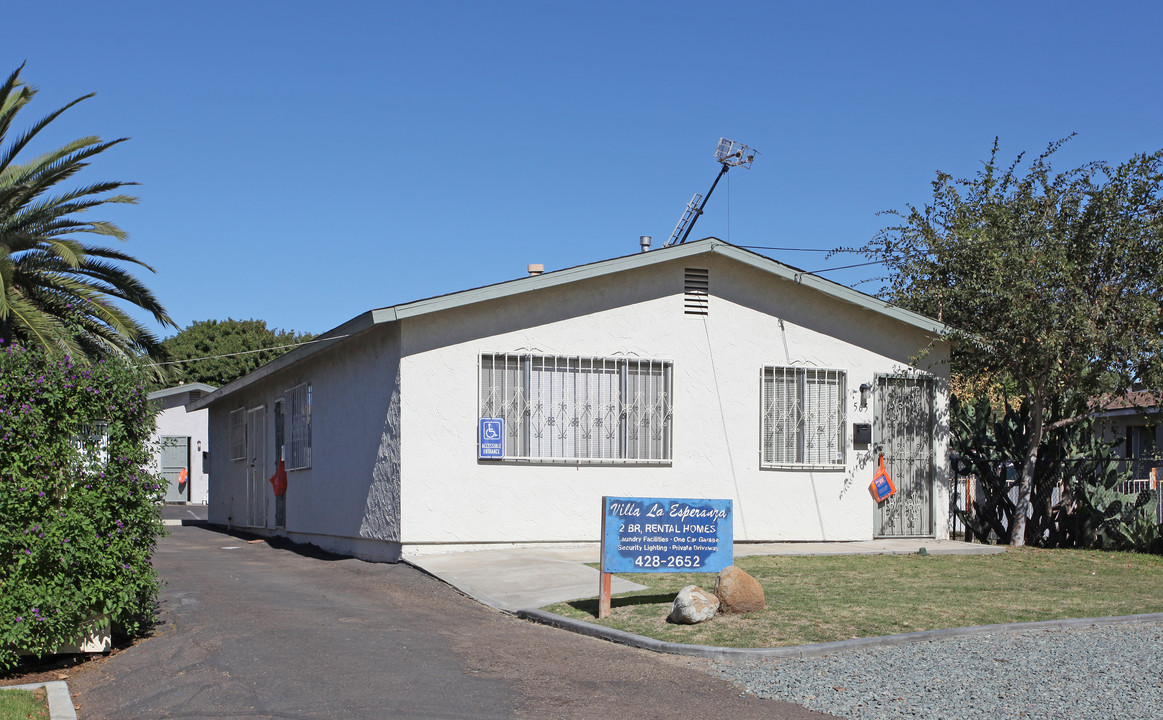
{"x": 23, "y": 705}
{"x": 827, "y": 598}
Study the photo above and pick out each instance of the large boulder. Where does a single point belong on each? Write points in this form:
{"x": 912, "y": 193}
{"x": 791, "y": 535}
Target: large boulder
{"x": 693, "y": 605}
{"x": 738, "y": 592}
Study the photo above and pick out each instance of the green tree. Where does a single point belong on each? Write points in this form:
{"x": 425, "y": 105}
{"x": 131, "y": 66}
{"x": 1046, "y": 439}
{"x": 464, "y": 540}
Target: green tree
{"x": 56, "y": 291}
{"x": 1051, "y": 281}
{"x": 217, "y": 352}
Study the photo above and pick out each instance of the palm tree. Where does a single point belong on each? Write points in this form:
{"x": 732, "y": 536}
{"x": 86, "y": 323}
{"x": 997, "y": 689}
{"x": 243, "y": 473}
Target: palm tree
{"x": 57, "y": 292}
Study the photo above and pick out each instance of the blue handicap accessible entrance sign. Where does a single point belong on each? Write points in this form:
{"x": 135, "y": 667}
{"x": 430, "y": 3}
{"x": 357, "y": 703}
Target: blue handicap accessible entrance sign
{"x": 491, "y": 440}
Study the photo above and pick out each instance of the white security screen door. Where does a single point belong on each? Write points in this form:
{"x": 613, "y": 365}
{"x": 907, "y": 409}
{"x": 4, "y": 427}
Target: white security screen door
{"x": 903, "y": 433}
{"x": 176, "y": 458}
{"x": 256, "y": 467}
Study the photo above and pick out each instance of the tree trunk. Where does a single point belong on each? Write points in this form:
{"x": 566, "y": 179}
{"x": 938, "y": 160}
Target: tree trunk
{"x": 1026, "y": 482}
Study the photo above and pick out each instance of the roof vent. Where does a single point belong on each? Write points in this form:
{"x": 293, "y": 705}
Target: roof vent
{"x": 644, "y": 241}
{"x": 536, "y": 268}
{"x": 696, "y": 291}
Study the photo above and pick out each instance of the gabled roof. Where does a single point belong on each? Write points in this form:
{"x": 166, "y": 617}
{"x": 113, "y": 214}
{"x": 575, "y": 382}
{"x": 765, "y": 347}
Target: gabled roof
{"x": 706, "y": 246}
{"x": 1132, "y": 402}
{"x": 178, "y": 389}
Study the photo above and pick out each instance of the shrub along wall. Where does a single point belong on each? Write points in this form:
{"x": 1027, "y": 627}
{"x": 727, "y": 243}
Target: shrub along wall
{"x": 1074, "y": 502}
{"x": 79, "y": 512}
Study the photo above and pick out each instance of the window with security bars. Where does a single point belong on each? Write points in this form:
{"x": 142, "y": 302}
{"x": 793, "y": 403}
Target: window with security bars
{"x": 298, "y": 404}
{"x": 238, "y": 434}
{"x": 579, "y": 408}
{"x": 803, "y": 417}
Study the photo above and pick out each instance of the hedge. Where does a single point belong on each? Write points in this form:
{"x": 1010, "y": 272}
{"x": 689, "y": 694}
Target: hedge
{"x": 79, "y": 501}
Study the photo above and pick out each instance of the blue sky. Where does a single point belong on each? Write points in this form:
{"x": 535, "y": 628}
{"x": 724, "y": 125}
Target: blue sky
{"x": 302, "y": 162}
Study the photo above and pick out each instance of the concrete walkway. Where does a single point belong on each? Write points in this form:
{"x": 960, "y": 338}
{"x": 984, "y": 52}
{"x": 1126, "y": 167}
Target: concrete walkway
{"x": 515, "y": 579}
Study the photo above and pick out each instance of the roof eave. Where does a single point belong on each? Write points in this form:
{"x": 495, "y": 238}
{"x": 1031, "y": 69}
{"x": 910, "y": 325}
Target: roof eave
{"x": 565, "y": 276}
{"x": 178, "y": 389}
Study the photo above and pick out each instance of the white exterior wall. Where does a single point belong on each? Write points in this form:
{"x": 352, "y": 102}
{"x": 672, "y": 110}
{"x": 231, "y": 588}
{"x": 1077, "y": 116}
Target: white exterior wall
{"x": 345, "y": 501}
{"x": 227, "y": 503}
{"x": 755, "y": 320}
{"x": 174, "y": 420}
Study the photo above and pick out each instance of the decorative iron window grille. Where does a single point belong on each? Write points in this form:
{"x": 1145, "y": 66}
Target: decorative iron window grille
{"x": 238, "y": 434}
{"x": 803, "y": 417}
{"x": 579, "y": 408}
{"x": 298, "y": 399}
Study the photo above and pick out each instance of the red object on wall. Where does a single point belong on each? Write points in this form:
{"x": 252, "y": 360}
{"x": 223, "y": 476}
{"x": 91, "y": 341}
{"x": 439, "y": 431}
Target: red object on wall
{"x": 278, "y": 481}
{"x": 882, "y": 485}
{"x": 183, "y": 476}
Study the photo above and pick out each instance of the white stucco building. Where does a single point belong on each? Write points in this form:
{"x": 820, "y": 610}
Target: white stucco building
{"x": 699, "y": 370}
{"x": 181, "y": 437}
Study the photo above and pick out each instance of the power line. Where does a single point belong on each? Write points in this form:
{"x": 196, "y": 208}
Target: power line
{"x": 792, "y": 249}
{"x": 248, "y": 352}
{"x": 816, "y": 272}
{"x": 845, "y": 267}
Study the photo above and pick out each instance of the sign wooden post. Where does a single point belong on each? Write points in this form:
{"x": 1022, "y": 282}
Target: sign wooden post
{"x": 606, "y": 577}
{"x": 605, "y": 582}
{"x": 604, "y": 596}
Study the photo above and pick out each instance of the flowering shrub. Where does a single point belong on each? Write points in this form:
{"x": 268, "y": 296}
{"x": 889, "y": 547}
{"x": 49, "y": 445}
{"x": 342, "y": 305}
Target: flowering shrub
{"x": 79, "y": 501}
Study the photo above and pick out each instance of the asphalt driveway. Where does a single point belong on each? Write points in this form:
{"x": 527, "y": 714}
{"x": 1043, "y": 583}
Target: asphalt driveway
{"x": 251, "y": 630}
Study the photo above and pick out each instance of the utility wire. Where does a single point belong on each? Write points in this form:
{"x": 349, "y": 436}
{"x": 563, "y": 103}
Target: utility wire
{"x": 845, "y": 267}
{"x": 247, "y": 352}
{"x": 792, "y": 249}
{"x": 815, "y": 272}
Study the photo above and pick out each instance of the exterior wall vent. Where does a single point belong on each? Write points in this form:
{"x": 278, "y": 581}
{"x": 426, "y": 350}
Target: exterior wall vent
{"x": 696, "y": 291}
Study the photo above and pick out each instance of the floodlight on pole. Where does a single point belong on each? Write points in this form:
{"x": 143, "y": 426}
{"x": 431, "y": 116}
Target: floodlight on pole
{"x": 734, "y": 154}
{"x": 729, "y": 154}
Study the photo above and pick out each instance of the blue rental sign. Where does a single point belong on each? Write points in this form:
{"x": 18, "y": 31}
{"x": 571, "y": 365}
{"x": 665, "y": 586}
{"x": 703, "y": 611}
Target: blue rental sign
{"x": 666, "y": 535}
{"x": 491, "y": 439}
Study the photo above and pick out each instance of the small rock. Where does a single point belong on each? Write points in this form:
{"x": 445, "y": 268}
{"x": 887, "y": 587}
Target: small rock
{"x": 738, "y": 592}
{"x": 693, "y": 605}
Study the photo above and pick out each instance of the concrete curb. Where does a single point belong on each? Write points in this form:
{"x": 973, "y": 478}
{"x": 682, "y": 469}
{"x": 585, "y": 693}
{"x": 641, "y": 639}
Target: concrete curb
{"x": 60, "y": 703}
{"x": 816, "y": 649}
{"x": 188, "y": 522}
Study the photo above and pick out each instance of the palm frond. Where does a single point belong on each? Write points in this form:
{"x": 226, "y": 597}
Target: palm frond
{"x": 57, "y": 292}
{"x": 24, "y": 138}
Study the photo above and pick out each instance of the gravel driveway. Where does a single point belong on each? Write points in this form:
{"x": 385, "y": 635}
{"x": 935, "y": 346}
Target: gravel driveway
{"x": 1086, "y": 673}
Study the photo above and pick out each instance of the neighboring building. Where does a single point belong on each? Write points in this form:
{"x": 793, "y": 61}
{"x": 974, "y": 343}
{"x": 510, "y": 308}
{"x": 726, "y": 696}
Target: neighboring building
{"x": 1135, "y": 420}
{"x": 181, "y": 438}
{"x": 698, "y": 370}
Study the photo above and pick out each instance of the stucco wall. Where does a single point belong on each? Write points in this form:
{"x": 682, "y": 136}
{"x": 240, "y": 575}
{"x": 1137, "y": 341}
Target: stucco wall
{"x": 351, "y": 489}
{"x": 174, "y": 420}
{"x": 448, "y": 496}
